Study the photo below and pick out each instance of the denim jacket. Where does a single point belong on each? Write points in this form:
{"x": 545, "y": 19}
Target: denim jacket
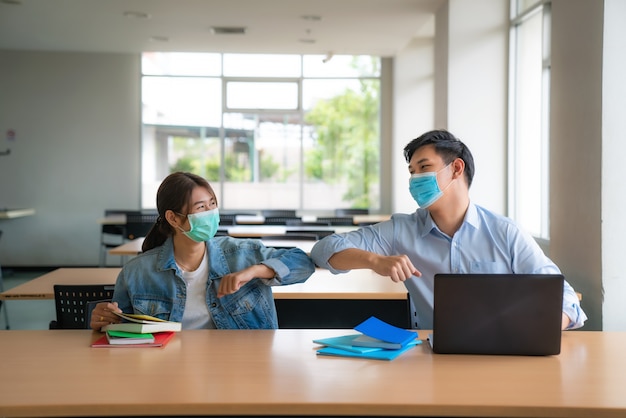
{"x": 152, "y": 284}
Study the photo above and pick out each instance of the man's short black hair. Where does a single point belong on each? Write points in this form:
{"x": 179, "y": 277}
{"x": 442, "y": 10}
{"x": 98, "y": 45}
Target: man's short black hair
{"x": 447, "y": 146}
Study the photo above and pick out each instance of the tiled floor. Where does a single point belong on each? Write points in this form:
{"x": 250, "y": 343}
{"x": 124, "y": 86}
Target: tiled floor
{"x": 25, "y": 314}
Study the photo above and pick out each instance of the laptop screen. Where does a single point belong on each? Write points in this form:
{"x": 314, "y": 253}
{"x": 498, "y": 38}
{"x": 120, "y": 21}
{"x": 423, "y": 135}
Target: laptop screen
{"x": 514, "y": 314}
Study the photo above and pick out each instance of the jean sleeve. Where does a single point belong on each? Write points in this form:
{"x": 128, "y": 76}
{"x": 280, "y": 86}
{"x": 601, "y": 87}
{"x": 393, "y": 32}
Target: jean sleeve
{"x": 291, "y": 265}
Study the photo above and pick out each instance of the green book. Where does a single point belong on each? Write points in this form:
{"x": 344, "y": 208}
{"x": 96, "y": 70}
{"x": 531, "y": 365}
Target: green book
{"x": 124, "y": 337}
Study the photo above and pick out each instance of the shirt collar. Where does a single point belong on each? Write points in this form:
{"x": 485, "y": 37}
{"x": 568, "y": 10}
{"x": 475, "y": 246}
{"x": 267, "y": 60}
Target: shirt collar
{"x": 427, "y": 223}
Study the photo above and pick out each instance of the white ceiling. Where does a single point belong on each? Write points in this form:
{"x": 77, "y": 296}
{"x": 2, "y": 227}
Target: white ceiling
{"x": 372, "y": 27}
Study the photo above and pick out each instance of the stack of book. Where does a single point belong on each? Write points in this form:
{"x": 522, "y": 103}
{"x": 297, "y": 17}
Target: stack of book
{"x": 138, "y": 331}
{"x": 377, "y": 340}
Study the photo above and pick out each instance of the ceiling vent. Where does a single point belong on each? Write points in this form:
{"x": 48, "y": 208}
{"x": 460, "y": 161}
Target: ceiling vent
{"x": 228, "y": 30}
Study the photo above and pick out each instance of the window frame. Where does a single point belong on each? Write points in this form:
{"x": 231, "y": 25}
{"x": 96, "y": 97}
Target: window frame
{"x": 517, "y": 18}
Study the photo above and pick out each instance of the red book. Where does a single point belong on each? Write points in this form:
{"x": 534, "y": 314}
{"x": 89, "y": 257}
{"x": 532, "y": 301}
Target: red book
{"x": 160, "y": 340}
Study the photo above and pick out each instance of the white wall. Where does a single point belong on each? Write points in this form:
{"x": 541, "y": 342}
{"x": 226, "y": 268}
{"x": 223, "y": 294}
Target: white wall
{"x": 576, "y": 138}
{"x": 477, "y": 92}
{"x": 76, "y": 151}
{"x": 413, "y": 111}
{"x": 613, "y": 151}
{"x": 457, "y": 80}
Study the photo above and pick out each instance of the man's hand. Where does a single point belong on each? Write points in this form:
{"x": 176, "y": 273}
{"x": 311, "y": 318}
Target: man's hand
{"x": 398, "y": 267}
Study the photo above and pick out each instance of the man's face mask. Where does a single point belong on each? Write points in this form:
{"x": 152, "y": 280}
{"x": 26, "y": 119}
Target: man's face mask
{"x": 425, "y": 189}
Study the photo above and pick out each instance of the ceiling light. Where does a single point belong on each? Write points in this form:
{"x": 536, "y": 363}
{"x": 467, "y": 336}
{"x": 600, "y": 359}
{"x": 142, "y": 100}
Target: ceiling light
{"x": 137, "y": 15}
{"x": 307, "y": 41}
{"x": 311, "y": 18}
{"x": 159, "y": 38}
{"x": 228, "y": 30}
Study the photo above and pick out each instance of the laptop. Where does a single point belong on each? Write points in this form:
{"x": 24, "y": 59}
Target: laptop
{"x": 498, "y": 314}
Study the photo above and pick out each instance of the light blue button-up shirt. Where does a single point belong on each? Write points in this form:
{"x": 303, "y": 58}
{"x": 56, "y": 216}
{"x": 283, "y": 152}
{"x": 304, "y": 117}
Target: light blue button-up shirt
{"x": 485, "y": 243}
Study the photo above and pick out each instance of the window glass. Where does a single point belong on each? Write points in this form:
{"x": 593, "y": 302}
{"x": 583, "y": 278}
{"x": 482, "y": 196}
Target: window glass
{"x": 341, "y": 66}
{"x": 166, "y": 149}
{"x": 261, "y": 95}
{"x": 262, "y": 65}
{"x": 265, "y": 150}
{"x": 523, "y": 5}
{"x": 182, "y": 101}
{"x": 181, "y": 63}
{"x": 529, "y": 151}
{"x": 342, "y": 145}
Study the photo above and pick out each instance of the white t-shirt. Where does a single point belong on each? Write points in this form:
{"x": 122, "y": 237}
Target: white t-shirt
{"x": 197, "y": 315}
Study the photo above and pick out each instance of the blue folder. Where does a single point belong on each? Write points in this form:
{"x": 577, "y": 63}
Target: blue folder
{"x": 375, "y": 328}
{"x": 378, "y": 354}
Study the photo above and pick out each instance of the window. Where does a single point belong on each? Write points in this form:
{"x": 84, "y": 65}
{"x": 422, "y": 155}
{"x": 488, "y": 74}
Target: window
{"x": 528, "y": 116}
{"x": 268, "y": 131}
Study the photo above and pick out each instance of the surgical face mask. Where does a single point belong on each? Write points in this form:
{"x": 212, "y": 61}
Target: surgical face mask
{"x": 425, "y": 189}
{"x": 203, "y": 225}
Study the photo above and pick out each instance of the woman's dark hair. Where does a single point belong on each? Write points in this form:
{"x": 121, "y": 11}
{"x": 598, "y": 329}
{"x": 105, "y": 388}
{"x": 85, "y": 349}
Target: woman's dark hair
{"x": 447, "y": 146}
{"x": 174, "y": 194}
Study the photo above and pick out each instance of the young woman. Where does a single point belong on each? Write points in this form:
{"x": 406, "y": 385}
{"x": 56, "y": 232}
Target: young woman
{"x": 188, "y": 275}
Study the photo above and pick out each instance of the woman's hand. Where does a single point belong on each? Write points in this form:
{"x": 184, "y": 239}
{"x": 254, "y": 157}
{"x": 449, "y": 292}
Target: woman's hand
{"x": 232, "y": 282}
{"x": 103, "y": 315}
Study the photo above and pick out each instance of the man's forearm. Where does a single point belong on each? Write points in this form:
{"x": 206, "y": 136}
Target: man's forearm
{"x": 351, "y": 258}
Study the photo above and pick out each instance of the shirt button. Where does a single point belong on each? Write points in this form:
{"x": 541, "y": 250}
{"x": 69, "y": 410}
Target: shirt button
{"x": 213, "y": 305}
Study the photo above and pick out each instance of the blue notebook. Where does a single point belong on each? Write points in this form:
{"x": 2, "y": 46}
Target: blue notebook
{"x": 375, "y": 328}
{"x": 377, "y": 354}
{"x": 344, "y": 342}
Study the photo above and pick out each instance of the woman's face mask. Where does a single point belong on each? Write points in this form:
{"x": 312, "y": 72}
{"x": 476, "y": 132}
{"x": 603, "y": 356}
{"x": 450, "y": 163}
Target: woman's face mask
{"x": 203, "y": 225}
{"x": 425, "y": 189}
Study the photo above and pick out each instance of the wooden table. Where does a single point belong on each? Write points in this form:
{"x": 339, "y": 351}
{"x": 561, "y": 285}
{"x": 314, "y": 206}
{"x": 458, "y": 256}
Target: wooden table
{"x": 272, "y": 373}
{"x": 11, "y": 214}
{"x": 370, "y": 218}
{"x": 42, "y": 287}
{"x": 16, "y": 213}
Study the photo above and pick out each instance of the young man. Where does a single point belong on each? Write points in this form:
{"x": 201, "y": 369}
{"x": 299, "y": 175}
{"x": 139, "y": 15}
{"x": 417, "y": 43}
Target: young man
{"x": 447, "y": 234}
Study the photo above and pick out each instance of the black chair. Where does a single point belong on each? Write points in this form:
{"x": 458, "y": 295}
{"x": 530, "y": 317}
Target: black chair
{"x": 319, "y": 233}
{"x": 337, "y": 220}
{"x": 286, "y": 213}
{"x": 299, "y": 222}
{"x": 3, "y": 306}
{"x": 228, "y": 220}
{"x": 280, "y": 220}
{"x": 72, "y": 304}
{"x": 138, "y": 225}
{"x": 291, "y": 237}
{"x": 112, "y": 235}
{"x": 351, "y": 211}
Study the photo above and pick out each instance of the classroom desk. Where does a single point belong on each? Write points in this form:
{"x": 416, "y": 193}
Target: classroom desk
{"x": 11, "y": 214}
{"x": 259, "y": 231}
{"x": 131, "y": 248}
{"x": 323, "y": 301}
{"x": 16, "y": 213}
{"x": 42, "y": 287}
{"x": 370, "y": 218}
{"x": 273, "y": 373}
